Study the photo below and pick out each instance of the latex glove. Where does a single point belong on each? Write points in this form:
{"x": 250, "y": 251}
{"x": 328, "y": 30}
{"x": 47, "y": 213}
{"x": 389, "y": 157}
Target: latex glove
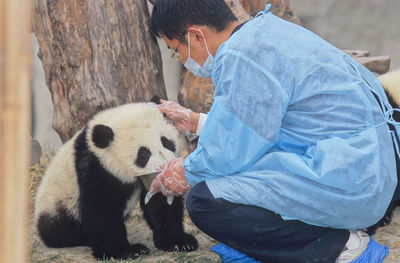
{"x": 178, "y": 114}
{"x": 172, "y": 181}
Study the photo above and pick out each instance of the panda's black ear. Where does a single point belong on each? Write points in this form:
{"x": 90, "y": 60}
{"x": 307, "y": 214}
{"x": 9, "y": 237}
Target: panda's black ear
{"x": 102, "y": 136}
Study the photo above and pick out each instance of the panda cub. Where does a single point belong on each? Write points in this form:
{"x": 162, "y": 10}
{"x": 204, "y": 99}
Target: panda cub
{"x": 90, "y": 186}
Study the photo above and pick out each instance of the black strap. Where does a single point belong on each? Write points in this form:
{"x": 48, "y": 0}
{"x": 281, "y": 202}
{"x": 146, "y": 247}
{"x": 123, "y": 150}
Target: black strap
{"x": 237, "y": 28}
{"x": 396, "y": 196}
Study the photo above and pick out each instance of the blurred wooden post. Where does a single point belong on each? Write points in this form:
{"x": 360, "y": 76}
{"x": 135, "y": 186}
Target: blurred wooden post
{"x": 15, "y": 66}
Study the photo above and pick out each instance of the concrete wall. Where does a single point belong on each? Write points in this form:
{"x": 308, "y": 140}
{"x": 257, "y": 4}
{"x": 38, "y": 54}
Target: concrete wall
{"x": 42, "y": 106}
{"x": 372, "y": 25}
{"x": 172, "y": 70}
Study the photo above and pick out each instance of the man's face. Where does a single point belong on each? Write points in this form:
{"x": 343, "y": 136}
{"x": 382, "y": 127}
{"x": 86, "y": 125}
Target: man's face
{"x": 175, "y": 46}
{"x": 198, "y": 50}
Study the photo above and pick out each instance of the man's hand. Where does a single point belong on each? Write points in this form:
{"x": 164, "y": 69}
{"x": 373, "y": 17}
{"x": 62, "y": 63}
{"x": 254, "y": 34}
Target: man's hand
{"x": 178, "y": 114}
{"x": 172, "y": 181}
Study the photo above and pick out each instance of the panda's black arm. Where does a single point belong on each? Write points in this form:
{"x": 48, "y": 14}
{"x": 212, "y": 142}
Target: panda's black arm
{"x": 105, "y": 228}
{"x": 166, "y": 221}
{"x": 102, "y": 201}
{"x": 162, "y": 217}
{"x": 101, "y": 215}
{"x": 106, "y": 234}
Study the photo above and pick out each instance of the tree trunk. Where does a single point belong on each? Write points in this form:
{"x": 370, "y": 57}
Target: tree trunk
{"x": 96, "y": 54}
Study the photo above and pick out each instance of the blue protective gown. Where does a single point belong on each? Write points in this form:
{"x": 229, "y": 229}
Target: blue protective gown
{"x": 295, "y": 128}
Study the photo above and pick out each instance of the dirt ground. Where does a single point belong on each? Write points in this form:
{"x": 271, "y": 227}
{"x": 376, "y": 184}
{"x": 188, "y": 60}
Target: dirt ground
{"x": 390, "y": 236}
{"x": 138, "y": 231}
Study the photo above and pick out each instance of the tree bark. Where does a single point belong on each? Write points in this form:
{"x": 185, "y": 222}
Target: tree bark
{"x": 279, "y": 8}
{"x": 96, "y": 54}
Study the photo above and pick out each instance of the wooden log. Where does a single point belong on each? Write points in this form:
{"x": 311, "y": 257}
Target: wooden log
{"x": 357, "y": 52}
{"x": 96, "y": 54}
{"x": 379, "y": 64}
{"x": 15, "y": 65}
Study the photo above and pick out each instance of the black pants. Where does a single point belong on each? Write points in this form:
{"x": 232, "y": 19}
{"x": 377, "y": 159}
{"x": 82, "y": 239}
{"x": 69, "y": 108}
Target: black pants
{"x": 261, "y": 233}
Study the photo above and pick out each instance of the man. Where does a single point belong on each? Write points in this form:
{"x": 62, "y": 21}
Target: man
{"x": 296, "y": 150}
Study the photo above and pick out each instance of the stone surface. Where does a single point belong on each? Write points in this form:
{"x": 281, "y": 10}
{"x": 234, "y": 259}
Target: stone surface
{"x": 36, "y": 151}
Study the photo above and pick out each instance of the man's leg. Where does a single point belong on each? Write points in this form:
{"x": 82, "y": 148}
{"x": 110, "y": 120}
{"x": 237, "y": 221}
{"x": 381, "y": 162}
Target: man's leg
{"x": 261, "y": 233}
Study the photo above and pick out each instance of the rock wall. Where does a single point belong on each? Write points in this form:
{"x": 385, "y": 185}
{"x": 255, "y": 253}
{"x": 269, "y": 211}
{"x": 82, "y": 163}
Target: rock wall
{"x": 355, "y": 24}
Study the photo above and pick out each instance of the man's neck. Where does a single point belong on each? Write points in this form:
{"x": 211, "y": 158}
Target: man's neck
{"x": 218, "y": 38}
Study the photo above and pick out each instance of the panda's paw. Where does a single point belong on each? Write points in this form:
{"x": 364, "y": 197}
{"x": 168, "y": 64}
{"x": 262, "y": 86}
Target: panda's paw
{"x": 135, "y": 250}
{"x": 181, "y": 243}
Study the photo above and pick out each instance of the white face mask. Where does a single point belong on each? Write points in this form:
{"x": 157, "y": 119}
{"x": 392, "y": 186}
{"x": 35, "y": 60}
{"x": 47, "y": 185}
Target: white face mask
{"x": 200, "y": 71}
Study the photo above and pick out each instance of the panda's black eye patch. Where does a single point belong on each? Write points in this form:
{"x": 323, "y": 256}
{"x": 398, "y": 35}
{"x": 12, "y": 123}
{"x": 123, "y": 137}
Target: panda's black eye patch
{"x": 143, "y": 156}
{"x": 170, "y": 145}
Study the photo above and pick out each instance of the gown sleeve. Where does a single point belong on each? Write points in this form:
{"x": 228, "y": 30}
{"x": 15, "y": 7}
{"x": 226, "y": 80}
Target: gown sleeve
{"x": 244, "y": 121}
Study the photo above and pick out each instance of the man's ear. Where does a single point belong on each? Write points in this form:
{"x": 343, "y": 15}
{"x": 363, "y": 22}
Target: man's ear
{"x": 196, "y": 35}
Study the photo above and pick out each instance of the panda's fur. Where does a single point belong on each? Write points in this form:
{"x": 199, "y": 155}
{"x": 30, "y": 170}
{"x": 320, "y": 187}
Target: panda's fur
{"x": 90, "y": 186}
{"x": 391, "y": 84}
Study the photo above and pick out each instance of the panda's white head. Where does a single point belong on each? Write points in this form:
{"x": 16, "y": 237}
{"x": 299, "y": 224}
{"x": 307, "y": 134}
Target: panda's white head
{"x": 133, "y": 139}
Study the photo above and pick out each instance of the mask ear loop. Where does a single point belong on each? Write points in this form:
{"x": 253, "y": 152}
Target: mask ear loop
{"x": 205, "y": 42}
{"x": 189, "y": 42}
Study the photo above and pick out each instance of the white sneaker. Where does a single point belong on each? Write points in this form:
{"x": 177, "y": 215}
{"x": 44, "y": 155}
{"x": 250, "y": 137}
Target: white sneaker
{"x": 349, "y": 255}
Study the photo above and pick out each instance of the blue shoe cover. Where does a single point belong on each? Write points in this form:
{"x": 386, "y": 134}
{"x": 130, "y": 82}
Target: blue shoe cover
{"x": 231, "y": 255}
{"x": 374, "y": 253}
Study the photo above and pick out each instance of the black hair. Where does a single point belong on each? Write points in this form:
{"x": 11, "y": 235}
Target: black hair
{"x": 172, "y": 18}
